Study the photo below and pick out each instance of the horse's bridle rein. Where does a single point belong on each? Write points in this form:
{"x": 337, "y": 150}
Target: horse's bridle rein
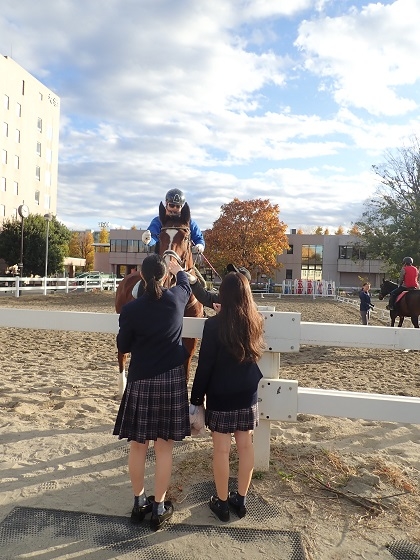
{"x": 172, "y": 254}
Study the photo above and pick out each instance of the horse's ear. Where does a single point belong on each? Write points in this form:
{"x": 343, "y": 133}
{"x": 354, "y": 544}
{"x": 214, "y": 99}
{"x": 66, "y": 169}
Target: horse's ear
{"x": 186, "y": 214}
{"x": 162, "y": 213}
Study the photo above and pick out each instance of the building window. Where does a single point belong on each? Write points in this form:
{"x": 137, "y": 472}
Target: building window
{"x": 39, "y": 124}
{"x": 2, "y": 210}
{"x": 311, "y": 267}
{"x": 49, "y": 132}
{"x": 14, "y": 213}
{"x": 37, "y": 197}
{"x": 38, "y": 148}
{"x": 48, "y": 178}
{"x": 38, "y": 173}
{"x": 4, "y": 156}
{"x": 41, "y": 97}
{"x": 15, "y": 187}
{"x": 23, "y": 87}
{"x": 47, "y": 201}
{"x": 351, "y": 252}
{"x": 133, "y": 246}
{"x": 17, "y": 164}
{"x": 345, "y": 251}
{"x": 5, "y": 129}
{"x": 3, "y": 184}
{"x": 290, "y": 250}
{"x": 289, "y": 274}
{"x": 17, "y": 136}
{"x": 18, "y": 110}
{"x": 48, "y": 155}
{"x": 6, "y": 102}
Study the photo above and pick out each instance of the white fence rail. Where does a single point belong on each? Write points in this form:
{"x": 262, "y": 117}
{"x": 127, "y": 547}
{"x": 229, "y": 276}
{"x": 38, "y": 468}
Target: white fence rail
{"x": 17, "y": 285}
{"x": 279, "y": 399}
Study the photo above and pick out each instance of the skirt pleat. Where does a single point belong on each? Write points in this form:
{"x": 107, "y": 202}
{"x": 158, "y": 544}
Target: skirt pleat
{"x": 155, "y": 408}
{"x": 228, "y": 422}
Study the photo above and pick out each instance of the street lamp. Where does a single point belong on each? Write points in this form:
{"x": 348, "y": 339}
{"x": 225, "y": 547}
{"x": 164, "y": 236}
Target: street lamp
{"x": 48, "y": 218}
{"x": 23, "y": 211}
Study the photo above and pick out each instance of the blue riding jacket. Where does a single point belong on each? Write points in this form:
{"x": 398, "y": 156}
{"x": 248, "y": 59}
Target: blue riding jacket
{"x": 156, "y": 225}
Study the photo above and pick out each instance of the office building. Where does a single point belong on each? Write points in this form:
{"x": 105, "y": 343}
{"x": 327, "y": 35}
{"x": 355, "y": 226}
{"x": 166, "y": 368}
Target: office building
{"x": 29, "y": 120}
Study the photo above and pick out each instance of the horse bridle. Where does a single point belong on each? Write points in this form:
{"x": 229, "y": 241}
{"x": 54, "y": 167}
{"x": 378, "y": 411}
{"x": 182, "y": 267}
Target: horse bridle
{"x": 173, "y": 254}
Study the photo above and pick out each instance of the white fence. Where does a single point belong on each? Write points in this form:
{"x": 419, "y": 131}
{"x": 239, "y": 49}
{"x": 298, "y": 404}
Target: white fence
{"x": 279, "y": 399}
{"x": 16, "y": 285}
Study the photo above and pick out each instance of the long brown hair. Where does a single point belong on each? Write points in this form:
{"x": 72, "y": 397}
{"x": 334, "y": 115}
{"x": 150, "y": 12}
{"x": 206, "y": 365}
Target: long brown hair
{"x": 241, "y": 326}
{"x": 153, "y": 269}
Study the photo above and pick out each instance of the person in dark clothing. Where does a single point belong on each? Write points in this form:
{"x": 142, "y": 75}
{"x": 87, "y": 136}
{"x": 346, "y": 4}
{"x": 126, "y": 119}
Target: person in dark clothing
{"x": 155, "y": 402}
{"x": 206, "y": 297}
{"x": 365, "y": 303}
{"x": 227, "y": 376}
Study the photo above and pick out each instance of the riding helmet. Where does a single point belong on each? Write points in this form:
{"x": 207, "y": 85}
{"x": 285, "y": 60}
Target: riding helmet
{"x": 175, "y": 196}
{"x": 407, "y": 260}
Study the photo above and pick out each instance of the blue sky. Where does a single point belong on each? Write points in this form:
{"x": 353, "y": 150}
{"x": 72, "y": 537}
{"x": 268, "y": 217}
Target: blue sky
{"x": 293, "y": 101}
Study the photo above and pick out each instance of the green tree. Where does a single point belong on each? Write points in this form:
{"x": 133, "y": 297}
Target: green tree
{"x": 34, "y": 244}
{"x": 390, "y": 225}
{"x": 247, "y": 233}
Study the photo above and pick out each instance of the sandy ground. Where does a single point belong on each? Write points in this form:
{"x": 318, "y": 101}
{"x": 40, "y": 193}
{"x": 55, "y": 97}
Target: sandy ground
{"x": 350, "y": 487}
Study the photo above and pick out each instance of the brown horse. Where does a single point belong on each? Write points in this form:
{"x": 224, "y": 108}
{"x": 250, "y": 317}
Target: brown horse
{"x": 174, "y": 243}
{"x": 407, "y": 303}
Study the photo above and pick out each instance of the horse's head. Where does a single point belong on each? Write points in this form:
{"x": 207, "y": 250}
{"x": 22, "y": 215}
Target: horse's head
{"x": 386, "y": 288}
{"x": 175, "y": 237}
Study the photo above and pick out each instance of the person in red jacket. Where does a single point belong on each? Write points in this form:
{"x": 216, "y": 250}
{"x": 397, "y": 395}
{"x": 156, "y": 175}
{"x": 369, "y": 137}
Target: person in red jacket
{"x": 409, "y": 280}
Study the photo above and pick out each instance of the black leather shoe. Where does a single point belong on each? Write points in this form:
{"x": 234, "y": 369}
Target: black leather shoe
{"x": 240, "y": 510}
{"x": 156, "y": 521}
{"x": 139, "y": 513}
{"x": 216, "y": 507}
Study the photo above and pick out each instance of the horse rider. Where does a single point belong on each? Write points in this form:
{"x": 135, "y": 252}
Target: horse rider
{"x": 206, "y": 297}
{"x": 409, "y": 280}
{"x": 174, "y": 201}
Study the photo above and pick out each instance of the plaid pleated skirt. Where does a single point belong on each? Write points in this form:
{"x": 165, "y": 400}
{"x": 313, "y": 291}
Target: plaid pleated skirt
{"x": 228, "y": 422}
{"x": 155, "y": 408}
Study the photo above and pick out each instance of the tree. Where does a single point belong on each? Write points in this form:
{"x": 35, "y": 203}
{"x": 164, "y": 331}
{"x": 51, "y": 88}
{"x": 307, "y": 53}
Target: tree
{"x": 318, "y": 231}
{"x": 300, "y": 231}
{"x": 247, "y": 233}
{"x": 339, "y": 231}
{"x": 354, "y": 230}
{"x": 103, "y": 238}
{"x": 81, "y": 247}
{"x": 390, "y": 225}
{"x": 326, "y": 231}
{"x": 34, "y": 244}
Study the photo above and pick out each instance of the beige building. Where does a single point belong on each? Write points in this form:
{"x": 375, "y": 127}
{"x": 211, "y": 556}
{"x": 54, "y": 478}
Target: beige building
{"x": 336, "y": 258}
{"x": 29, "y": 120}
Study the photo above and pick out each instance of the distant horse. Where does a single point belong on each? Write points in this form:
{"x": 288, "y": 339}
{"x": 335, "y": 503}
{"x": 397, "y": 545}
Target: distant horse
{"x": 174, "y": 243}
{"x": 407, "y": 303}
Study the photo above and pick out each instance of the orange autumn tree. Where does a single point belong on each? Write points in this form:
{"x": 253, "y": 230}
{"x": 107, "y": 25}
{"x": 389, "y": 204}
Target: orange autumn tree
{"x": 248, "y": 233}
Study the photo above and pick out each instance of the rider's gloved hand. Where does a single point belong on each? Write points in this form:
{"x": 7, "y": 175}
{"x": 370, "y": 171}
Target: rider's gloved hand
{"x": 146, "y": 237}
{"x": 199, "y": 248}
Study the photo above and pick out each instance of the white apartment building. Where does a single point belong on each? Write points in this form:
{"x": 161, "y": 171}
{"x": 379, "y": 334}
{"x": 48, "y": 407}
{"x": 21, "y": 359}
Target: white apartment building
{"x": 29, "y": 121}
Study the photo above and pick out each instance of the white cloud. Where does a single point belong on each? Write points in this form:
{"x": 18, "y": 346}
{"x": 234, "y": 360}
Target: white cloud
{"x": 367, "y": 55}
{"x": 215, "y": 98}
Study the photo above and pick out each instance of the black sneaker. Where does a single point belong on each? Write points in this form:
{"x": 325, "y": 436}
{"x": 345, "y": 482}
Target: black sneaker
{"x": 216, "y": 507}
{"x": 240, "y": 510}
{"x": 156, "y": 521}
{"x": 139, "y": 513}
